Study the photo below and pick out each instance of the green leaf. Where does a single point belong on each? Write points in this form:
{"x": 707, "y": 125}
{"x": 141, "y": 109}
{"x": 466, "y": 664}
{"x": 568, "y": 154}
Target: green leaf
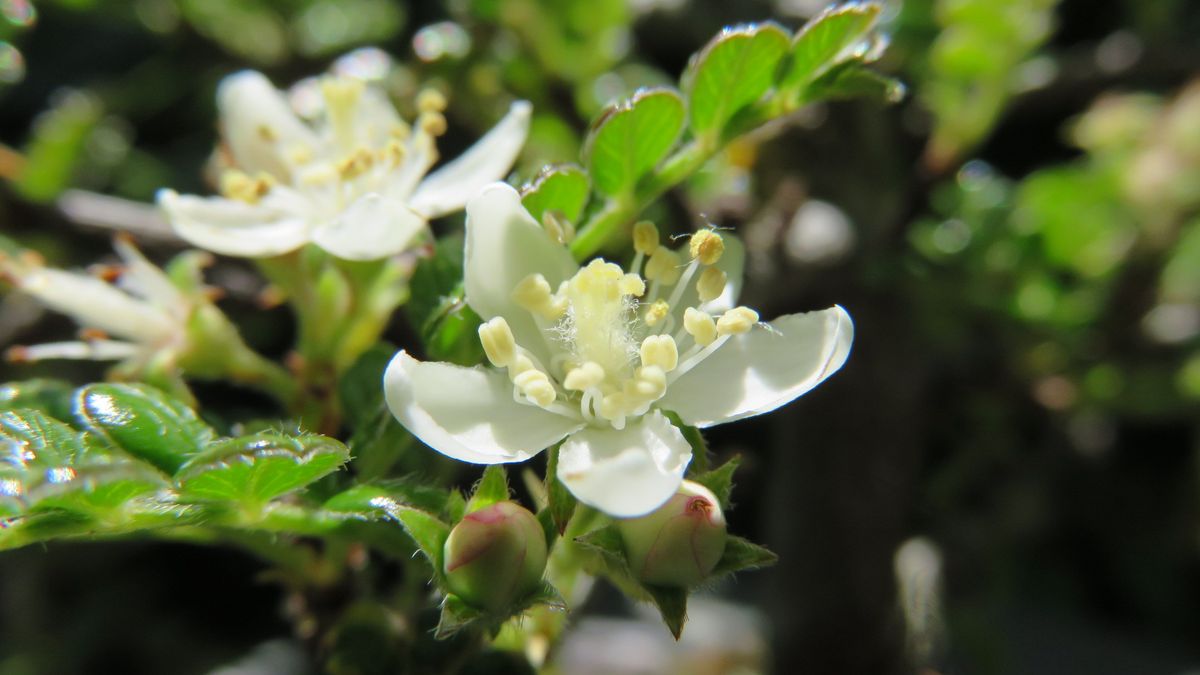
{"x": 456, "y": 617}
{"x": 560, "y": 188}
{"x": 825, "y": 41}
{"x": 742, "y": 554}
{"x": 720, "y": 480}
{"x": 436, "y": 282}
{"x": 361, "y": 386}
{"x": 560, "y": 502}
{"x": 853, "y": 79}
{"x": 53, "y": 397}
{"x": 672, "y": 605}
{"x": 731, "y": 72}
{"x": 254, "y": 469}
{"x": 60, "y": 138}
{"x": 384, "y": 500}
{"x": 35, "y": 442}
{"x": 490, "y": 489}
{"x": 143, "y": 422}
{"x": 630, "y": 138}
{"x": 99, "y": 490}
{"x": 429, "y": 534}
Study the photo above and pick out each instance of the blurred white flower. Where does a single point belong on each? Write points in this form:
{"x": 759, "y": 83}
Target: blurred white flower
{"x": 133, "y": 319}
{"x": 354, "y": 183}
{"x": 596, "y": 355}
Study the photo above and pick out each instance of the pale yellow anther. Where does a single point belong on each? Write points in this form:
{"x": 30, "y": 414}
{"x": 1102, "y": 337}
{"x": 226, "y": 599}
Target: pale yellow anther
{"x": 533, "y": 295}
{"x": 559, "y": 228}
{"x": 711, "y": 284}
{"x": 737, "y": 320}
{"x": 613, "y": 405}
{"x": 663, "y": 266}
{"x": 355, "y": 164}
{"x": 498, "y": 342}
{"x": 632, "y": 284}
{"x": 300, "y": 154}
{"x": 645, "y": 237}
{"x": 706, "y": 246}
{"x": 432, "y": 123}
{"x": 584, "y": 377}
{"x": 649, "y": 384}
{"x": 393, "y": 152}
{"x": 536, "y": 386}
{"x": 700, "y": 326}
{"x": 660, "y": 351}
{"x": 266, "y": 133}
{"x": 400, "y": 131}
{"x": 431, "y": 100}
{"x": 239, "y": 186}
{"x": 519, "y": 365}
{"x": 656, "y": 312}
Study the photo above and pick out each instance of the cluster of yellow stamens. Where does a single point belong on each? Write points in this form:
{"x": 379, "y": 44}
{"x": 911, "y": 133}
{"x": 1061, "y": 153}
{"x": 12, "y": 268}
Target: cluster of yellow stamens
{"x": 355, "y": 154}
{"x": 609, "y": 330}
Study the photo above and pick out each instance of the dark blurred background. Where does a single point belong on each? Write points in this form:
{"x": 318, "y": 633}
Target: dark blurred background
{"x": 1003, "y": 479}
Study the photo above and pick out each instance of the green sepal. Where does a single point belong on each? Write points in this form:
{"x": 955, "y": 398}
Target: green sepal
{"x": 144, "y": 422}
{"x": 672, "y": 606}
{"x": 456, "y": 617}
{"x": 731, "y": 72}
{"x": 720, "y": 480}
{"x": 491, "y": 488}
{"x": 253, "y": 470}
{"x": 429, "y": 534}
{"x": 560, "y": 503}
{"x": 630, "y": 138}
{"x": 742, "y": 554}
{"x": 560, "y": 188}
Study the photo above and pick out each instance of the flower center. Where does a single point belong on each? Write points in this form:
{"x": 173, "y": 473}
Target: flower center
{"x": 610, "y": 331}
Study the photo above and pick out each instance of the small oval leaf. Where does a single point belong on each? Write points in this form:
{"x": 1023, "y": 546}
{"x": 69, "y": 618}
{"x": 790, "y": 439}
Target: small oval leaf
{"x": 732, "y": 71}
{"x": 255, "y": 469}
{"x": 630, "y": 138}
{"x": 144, "y": 422}
{"x": 562, "y": 188}
{"x": 825, "y": 41}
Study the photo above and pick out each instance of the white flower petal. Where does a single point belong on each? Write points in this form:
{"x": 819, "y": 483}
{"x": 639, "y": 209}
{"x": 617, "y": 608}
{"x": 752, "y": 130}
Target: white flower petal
{"x": 95, "y": 350}
{"x": 372, "y": 227}
{"x": 95, "y": 304}
{"x": 629, "y": 472}
{"x": 235, "y": 228}
{"x": 145, "y": 279}
{"x": 469, "y": 413}
{"x": 259, "y": 126}
{"x": 448, "y": 189}
{"x": 759, "y": 371}
{"x": 504, "y": 245}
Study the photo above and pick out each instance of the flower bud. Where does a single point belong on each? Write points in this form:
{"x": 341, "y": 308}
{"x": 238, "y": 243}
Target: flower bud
{"x": 678, "y": 544}
{"x": 495, "y": 556}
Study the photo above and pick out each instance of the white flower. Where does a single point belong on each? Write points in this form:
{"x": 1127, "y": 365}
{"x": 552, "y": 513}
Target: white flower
{"x": 595, "y": 355}
{"x": 145, "y": 312}
{"x": 354, "y": 183}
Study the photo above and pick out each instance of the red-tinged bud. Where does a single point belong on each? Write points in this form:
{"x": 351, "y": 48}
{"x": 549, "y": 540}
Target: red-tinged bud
{"x": 495, "y": 556}
{"x": 680, "y": 543}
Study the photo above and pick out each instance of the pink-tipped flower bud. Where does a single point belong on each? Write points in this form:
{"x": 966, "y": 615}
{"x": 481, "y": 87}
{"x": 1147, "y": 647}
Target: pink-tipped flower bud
{"x": 678, "y": 544}
{"x": 495, "y": 556}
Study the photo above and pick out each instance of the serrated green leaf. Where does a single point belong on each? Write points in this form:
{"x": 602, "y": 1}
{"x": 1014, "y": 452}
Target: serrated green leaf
{"x": 731, "y": 72}
{"x": 672, "y": 605}
{"x": 490, "y": 489}
{"x": 429, "y": 534}
{"x": 456, "y": 617}
{"x": 34, "y": 441}
{"x": 97, "y": 490}
{"x": 825, "y": 41}
{"x": 561, "y": 188}
{"x": 255, "y": 469}
{"x": 631, "y": 137}
{"x": 383, "y": 500}
{"x": 742, "y": 554}
{"x": 720, "y": 480}
{"x": 53, "y": 397}
{"x": 143, "y": 422}
{"x": 560, "y": 502}
{"x": 853, "y": 79}
{"x": 58, "y": 146}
